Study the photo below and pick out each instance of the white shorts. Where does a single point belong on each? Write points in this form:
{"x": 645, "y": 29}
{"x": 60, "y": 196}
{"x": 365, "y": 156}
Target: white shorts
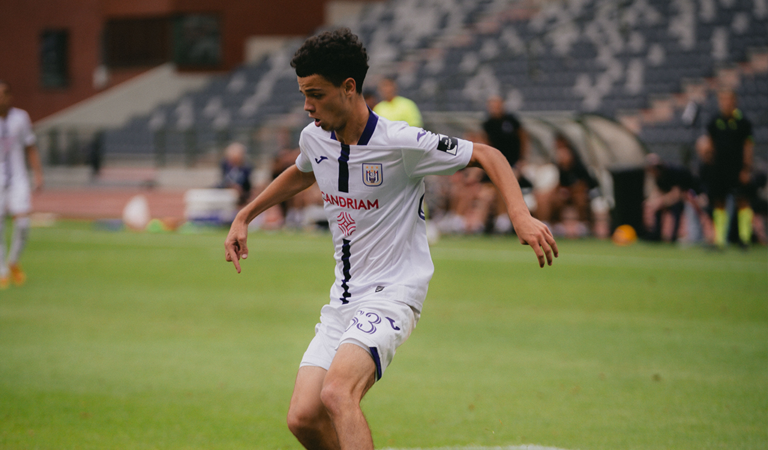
{"x": 378, "y": 326}
{"x": 16, "y": 198}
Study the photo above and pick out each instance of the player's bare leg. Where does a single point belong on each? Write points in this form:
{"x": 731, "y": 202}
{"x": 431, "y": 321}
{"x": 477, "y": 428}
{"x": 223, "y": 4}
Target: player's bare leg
{"x": 4, "y": 280}
{"x": 18, "y": 240}
{"x": 308, "y": 419}
{"x": 352, "y": 373}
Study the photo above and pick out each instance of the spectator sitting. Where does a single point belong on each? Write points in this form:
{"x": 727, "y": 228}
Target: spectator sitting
{"x": 567, "y": 204}
{"x": 236, "y": 172}
{"x": 395, "y": 107}
{"x": 670, "y": 192}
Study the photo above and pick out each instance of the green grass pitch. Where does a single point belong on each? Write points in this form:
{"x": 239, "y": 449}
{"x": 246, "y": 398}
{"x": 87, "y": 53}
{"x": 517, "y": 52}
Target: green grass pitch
{"x": 151, "y": 341}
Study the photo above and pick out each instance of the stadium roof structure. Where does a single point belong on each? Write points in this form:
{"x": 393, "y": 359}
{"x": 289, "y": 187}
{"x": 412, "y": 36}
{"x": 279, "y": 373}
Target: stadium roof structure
{"x": 603, "y": 144}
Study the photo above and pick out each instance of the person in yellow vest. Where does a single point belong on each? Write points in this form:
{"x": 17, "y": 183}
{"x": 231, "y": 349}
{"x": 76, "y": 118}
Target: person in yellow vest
{"x": 395, "y": 107}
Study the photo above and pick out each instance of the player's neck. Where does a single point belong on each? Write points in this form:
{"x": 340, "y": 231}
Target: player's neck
{"x": 355, "y": 125}
{"x": 4, "y": 112}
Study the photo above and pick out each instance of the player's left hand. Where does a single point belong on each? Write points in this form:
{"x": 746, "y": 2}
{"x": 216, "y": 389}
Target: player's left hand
{"x": 533, "y": 232}
{"x": 745, "y": 176}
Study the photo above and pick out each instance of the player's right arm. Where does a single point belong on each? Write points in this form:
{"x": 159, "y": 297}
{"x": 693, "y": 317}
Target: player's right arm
{"x": 289, "y": 183}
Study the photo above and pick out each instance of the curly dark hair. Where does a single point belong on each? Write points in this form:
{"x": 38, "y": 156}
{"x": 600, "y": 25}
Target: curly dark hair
{"x": 336, "y": 55}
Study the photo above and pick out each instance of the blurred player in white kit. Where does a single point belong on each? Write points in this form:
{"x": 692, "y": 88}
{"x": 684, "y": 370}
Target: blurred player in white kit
{"x": 370, "y": 172}
{"x": 17, "y": 146}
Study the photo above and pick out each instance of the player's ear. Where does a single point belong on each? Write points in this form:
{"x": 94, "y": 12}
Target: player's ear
{"x": 350, "y": 86}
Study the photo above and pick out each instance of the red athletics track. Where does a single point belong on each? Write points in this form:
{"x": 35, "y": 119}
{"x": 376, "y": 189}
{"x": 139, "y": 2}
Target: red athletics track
{"x": 106, "y": 203}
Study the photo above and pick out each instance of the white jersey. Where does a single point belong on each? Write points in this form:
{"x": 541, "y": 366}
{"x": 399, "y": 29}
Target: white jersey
{"x": 373, "y": 195}
{"x": 15, "y": 136}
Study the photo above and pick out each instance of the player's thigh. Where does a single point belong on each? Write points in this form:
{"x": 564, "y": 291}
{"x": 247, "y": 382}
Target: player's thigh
{"x": 322, "y": 349}
{"x": 18, "y": 199}
{"x": 305, "y": 401}
{"x": 379, "y": 328}
{"x": 352, "y": 374}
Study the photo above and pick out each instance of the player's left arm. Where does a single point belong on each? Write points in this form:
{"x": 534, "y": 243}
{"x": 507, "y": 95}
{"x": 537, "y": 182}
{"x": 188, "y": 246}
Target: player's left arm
{"x": 33, "y": 157}
{"x": 529, "y": 230}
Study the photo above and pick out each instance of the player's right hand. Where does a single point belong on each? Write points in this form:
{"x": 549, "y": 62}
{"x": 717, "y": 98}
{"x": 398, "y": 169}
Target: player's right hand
{"x": 235, "y": 246}
{"x": 533, "y": 232}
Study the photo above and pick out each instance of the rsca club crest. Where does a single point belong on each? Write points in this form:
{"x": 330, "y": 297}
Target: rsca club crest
{"x": 373, "y": 174}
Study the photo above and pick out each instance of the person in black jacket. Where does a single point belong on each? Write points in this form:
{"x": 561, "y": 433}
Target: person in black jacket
{"x": 726, "y": 153}
{"x": 572, "y": 190}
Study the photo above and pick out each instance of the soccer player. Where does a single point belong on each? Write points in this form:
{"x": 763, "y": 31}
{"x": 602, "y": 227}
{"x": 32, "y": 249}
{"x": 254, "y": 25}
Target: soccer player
{"x": 16, "y": 142}
{"x": 370, "y": 172}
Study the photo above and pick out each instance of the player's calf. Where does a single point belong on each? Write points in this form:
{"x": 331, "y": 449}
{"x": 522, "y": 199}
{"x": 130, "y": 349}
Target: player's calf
{"x": 307, "y": 418}
{"x": 312, "y": 429}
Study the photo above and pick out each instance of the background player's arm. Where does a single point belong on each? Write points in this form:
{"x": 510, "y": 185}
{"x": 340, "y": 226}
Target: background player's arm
{"x": 529, "y": 230}
{"x": 746, "y": 169}
{"x": 289, "y": 183}
{"x": 33, "y": 157}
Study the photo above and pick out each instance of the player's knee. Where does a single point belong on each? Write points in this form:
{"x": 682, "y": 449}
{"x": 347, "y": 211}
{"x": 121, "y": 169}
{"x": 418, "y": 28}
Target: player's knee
{"x": 335, "y": 397}
{"x": 302, "y": 421}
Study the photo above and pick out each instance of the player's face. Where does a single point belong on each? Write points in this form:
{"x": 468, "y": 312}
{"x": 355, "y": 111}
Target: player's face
{"x": 495, "y": 107}
{"x": 727, "y": 102}
{"x": 329, "y": 105}
{"x": 387, "y": 89}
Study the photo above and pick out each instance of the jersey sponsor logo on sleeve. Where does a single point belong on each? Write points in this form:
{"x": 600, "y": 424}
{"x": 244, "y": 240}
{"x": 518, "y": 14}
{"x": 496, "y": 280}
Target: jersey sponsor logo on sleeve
{"x": 320, "y": 159}
{"x": 421, "y": 134}
{"x": 447, "y": 144}
{"x": 373, "y": 174}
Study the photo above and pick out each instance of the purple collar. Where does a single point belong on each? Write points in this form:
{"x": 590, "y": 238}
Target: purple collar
{"x": 370, "y": 126}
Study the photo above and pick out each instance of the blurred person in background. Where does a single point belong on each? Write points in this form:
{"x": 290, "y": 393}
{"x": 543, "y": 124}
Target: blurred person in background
{"x": 17, "y": 147}
{"x": 371, "y": 99}
{"x": 236, "y": 172}
{"x": 469, "y": 199}
{"x": 395, "y": 107}
{"x": 567, "y": 205}
{"x": 504, "y": 131}
{"x": 301, "y": 210}
{"x": 726, "y": 154}
{"x": 672, "y": 186}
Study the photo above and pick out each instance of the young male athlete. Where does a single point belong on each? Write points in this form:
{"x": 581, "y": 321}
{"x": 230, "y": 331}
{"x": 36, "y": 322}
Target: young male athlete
{"x": 370, "y": 172}
{"x": 17, "y": 143}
